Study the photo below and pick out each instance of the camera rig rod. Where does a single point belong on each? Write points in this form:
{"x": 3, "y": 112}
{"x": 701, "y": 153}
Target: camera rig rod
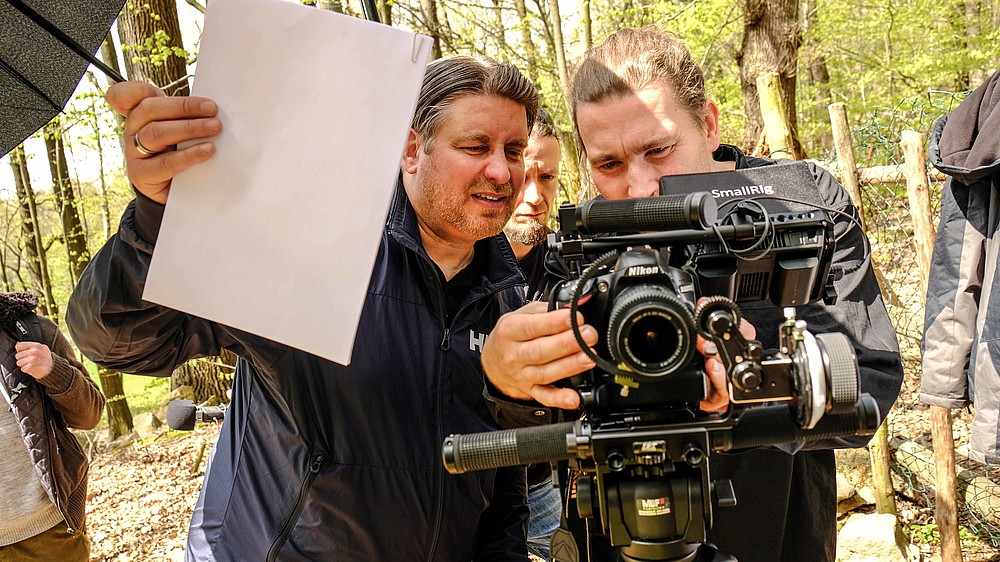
{"x": 756, "y": 427}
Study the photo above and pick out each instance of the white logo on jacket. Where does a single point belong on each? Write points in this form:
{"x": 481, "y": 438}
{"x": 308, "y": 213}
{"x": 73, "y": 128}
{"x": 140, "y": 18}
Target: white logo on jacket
{"x": 476, "y": 341}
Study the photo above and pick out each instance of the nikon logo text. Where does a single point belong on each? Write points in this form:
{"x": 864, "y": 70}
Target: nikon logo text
{"x": 744, "y": 191}
{"x": 641, "y": 270}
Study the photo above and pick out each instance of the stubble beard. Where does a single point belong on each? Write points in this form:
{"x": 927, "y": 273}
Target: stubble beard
{"x": 530, "y": 233}
{"x": 451, "y": 209}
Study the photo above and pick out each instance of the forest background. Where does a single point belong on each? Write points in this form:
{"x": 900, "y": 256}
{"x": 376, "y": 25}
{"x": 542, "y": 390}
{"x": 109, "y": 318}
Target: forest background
{"x": 894, "y": 64}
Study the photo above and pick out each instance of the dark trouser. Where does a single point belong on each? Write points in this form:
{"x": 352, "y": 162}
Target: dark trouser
{"x": 54, "y": 545}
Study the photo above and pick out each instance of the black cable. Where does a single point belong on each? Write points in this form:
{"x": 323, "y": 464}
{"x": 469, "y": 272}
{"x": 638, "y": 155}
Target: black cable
{"x": 768, "y": 234}
{"x": 574, "y": 307}
{"x": 854, "y": 221}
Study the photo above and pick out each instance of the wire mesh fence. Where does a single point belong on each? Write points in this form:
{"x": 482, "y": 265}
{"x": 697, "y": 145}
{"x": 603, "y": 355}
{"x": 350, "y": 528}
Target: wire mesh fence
{"x": 886, "y": 206}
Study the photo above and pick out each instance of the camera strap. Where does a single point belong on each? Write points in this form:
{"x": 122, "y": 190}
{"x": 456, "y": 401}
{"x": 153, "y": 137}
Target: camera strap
{"x": 563, "y": 545}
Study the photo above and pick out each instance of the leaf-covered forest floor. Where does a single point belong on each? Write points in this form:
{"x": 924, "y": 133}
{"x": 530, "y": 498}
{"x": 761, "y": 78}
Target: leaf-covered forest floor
{"x": 141, "y": 497}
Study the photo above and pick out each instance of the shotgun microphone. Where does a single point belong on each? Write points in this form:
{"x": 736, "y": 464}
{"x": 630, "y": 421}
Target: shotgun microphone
{"x": 182, "y": 415}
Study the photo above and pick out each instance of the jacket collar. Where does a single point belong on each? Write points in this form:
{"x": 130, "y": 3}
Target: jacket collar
{"x": 14, "y": 306}
{"x": 965, "y": 143}
{"x": 501, "y": 269}
{"x": 730, "y": 153}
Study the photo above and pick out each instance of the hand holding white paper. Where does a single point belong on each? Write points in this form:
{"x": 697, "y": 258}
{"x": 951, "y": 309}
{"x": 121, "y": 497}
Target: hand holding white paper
{"x": 277, "y": 233}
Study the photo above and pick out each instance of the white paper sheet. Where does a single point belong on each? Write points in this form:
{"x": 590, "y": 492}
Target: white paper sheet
{"x": 277, "y": 233}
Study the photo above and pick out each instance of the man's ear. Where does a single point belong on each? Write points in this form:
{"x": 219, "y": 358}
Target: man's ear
{"x": 710, "y": 122}
{"x": 411, "y": 154}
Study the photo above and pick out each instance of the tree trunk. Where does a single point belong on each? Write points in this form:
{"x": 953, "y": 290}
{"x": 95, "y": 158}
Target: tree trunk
{"x": 817, "y": 74}
{"x": 7, "y": 288}
{"x": 38, "y": 266}
{"x": 73, "y": 232}
{"x": 119, "y": 415}
{"x": 150, "y": 35}
{"x": 331, "y": 5}
{"x": 586, "y": 22}
{"x": 431, "y": 25}
{"x": 560, "y": 51}
{"x": 771, "y": 39}
{"x": 994, "y": 8}
{"x": 499, "y": 34}
{"x": 210, "y": 377}
{"x": 527, "y": 44}
{"x": 571, "y": 151}
{"x": 8, "y": 223}
{"x": 102, "y": 185}
{"x": 385, "y": 12}
{"x": 973, "y": 32}
{"x": 109, "y": 54}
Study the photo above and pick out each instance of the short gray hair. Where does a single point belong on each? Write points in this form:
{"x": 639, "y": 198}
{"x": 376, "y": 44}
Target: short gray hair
{"x": 446, "y": 79}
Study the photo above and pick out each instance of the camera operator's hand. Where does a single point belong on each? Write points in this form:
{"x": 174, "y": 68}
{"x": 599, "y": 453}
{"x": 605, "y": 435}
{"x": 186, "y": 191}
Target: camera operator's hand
{"x": 531, "y": 348}
{"x": 154, "y": 125}
{"x": 718, "y": 391}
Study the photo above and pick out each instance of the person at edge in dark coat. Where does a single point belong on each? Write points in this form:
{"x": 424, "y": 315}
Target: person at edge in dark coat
{"x": 961, "y": 350}
{"x": 641, "y": 112}
{"x": 319, "y": 461}
{"x": 526, "y": 230}
{"x": 43, "y": 470}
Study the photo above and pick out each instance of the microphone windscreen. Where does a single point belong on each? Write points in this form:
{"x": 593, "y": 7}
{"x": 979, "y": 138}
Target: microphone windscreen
{"x": 181, "y": 415}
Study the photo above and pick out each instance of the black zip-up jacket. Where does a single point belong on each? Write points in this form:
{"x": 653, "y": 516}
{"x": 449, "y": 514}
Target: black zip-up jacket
{"x": 318, "y": 461}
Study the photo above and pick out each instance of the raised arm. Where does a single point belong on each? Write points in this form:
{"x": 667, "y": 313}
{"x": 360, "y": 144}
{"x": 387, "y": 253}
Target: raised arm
{"x": 106, "y": 316}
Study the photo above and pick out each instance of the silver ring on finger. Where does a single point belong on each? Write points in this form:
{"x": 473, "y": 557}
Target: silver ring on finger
{"x": 142, "y": 149}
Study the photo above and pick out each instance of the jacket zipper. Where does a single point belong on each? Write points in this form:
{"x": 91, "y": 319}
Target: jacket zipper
{"x": 445, "y": 346}
{"x": 293, "y": 516}
{"x": 447, "y": 323}
{"x": 55, "y": 481}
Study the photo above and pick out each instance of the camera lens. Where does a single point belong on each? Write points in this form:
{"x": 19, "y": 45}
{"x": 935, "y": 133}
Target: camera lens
{"x": 650, "y": 331}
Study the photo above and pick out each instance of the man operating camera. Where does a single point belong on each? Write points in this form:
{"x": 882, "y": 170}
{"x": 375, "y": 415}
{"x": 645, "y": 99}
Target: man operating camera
{"x": 641, "y": 112}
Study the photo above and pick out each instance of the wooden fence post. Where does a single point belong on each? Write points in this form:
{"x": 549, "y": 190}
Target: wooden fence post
{"x": 946, "y": 481}
{"x": 850, "y": 178}
{"x": 777, "y": 133}
{"x": 885, "y": 494}
{"x": 847, "y": 166}
{"x": 918, "y": 192}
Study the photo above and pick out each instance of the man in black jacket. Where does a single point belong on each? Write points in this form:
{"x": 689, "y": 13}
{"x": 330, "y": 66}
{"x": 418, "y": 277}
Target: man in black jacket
{"x": 319, "y": 461}
{"x": 640, "y": 108}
